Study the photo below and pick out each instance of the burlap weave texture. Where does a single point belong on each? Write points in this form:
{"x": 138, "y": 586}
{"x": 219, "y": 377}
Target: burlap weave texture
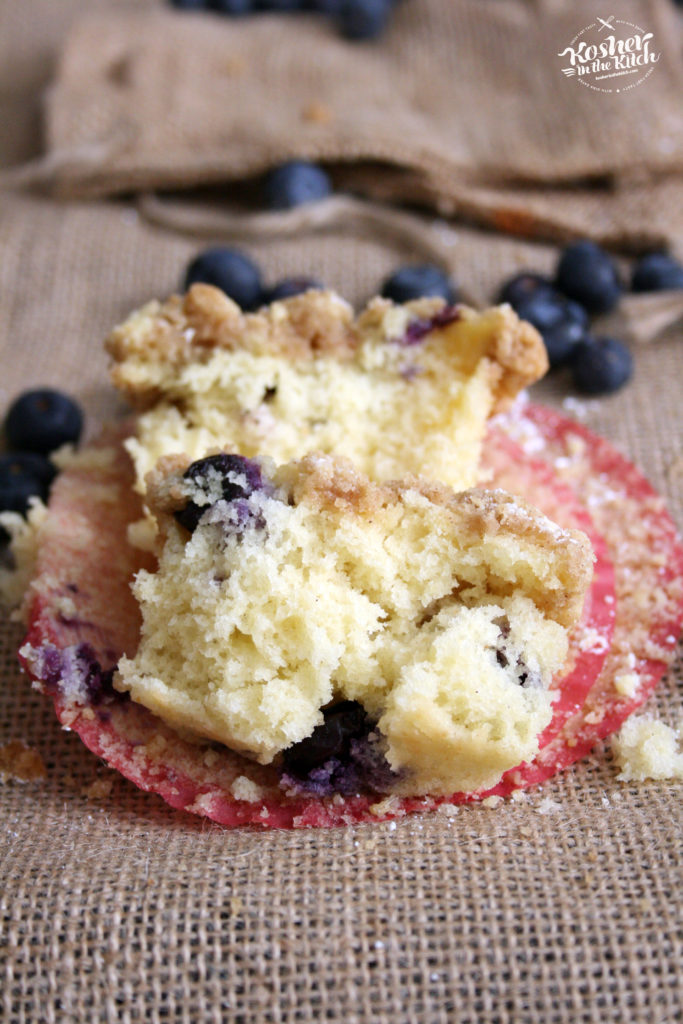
{"x": 562, "y": 908}
{"x": 449, "y": 106}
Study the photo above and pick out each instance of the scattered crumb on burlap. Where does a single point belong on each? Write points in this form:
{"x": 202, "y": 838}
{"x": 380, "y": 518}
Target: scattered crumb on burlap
{"x": 20, "y": 763}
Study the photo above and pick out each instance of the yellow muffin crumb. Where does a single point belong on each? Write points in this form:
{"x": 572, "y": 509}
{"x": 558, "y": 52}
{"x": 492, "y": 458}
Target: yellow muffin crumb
{"x": 399, "y": 389}
{"x": 648, "y": 749}
{"x": 25, "y": 535}
{"x": 445, "y": 615}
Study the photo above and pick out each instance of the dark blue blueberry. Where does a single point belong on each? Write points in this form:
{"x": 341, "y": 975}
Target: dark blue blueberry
{"x": 561, "y": 323}
{"x": 561, "y": 340}
{"x": 295, "y": 183}
{"x": 658, "y": 271}
{"x": 523, "y": 287}
{"x": 422, "y": 280}
{"x": 343, "y": 755}
{"x": 290, "y": 286}
{"x": 32, "y": 464}
{"x": 227, "y": 467}
{"x": 23, "y": 475}
{"x": 189, "y": 5}
{"x": 342, "y": 723}
{"x": 42, "y": 420}
{"x": 231, "y": 7}
{"x": 588, "y": 274}
{"x": 601, "y": 365}
{"x": 281, "y": 5}
{"x": 231, "y": 271}
{"x": 363, "y": 19}
{"x": 329, "y": 7}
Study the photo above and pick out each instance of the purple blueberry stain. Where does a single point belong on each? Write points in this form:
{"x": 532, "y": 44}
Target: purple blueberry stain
{"x": 367, "y": 754}
{"x": 76, "y": 673}
{"x": 234, "y": 517}
{"x": 420, "y": 327}
{"x": 409, "y": 371}
{"x": 219, "y": 481}
{"x": 49, "y": 667}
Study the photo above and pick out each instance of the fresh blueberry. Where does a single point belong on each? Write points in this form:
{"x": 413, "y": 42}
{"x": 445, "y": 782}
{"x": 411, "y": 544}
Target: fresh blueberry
{"x": 42, "y": 420}
{"x": 544, "y": 310}
{"x": 295, "y": 183}
{"x": 290, "y": 286}
{"x": 33, "y": 464}
{"x": 23, "y": 475}
{"x": 226, "y": 468}
{"x": 363, "y": 19}
{"x": 280, "y": 5}
{"x": 231, "y": 7}
{"x": 658, "y": 271}
{"x": 342, "y": 723}
{"x": 329, "y": 7}
{"x": 588, "y": 274}
{"x": 189, "y": 5}
{"x": 561, "y": 339}
{"x": 601, "y": 365}
{"x": 522, "y": 287}
{"x": 231, "y": 271}
{"x": 561, "y": 323}
{"x": 419, "y": 281}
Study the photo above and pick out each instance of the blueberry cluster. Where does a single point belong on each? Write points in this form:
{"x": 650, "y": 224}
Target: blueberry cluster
{"x": 241, "y": 279}
{"x": 37, "y": 423}
{"x": 355, "y": 19}
{"x": 285, "y": 187}
{"x": 586, "y": 283}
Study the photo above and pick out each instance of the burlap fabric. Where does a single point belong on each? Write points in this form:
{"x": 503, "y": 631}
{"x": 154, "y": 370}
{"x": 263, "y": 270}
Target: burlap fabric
{"x": 448, "y": 105}
{"x": 563, "y": 907}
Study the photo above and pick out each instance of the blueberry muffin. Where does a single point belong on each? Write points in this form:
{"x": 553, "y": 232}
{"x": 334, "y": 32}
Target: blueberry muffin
{"x": 422, "y": 628}
{"x": 399, "y": 389}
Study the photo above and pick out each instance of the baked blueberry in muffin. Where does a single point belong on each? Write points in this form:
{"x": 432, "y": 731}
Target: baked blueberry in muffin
{"x": 434, "y": 621}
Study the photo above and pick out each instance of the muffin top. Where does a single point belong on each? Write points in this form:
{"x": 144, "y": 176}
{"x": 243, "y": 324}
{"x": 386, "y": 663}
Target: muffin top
{"x": 398, "y": 390}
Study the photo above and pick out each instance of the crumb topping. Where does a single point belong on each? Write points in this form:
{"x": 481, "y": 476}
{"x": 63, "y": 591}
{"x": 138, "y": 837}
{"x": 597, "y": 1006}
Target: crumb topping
{"x": 303, "y": 375}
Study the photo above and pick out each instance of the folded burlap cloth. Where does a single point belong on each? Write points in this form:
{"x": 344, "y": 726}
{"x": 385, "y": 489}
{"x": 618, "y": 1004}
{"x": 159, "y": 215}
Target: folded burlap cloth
{"x": 462, "y": 105}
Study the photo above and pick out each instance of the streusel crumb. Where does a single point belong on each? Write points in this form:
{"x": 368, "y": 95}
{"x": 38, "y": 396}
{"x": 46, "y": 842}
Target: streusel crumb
{"x": 397, "y": 390}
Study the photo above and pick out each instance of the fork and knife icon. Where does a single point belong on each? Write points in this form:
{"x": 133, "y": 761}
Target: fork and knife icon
{"x": 606, "y": 23}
